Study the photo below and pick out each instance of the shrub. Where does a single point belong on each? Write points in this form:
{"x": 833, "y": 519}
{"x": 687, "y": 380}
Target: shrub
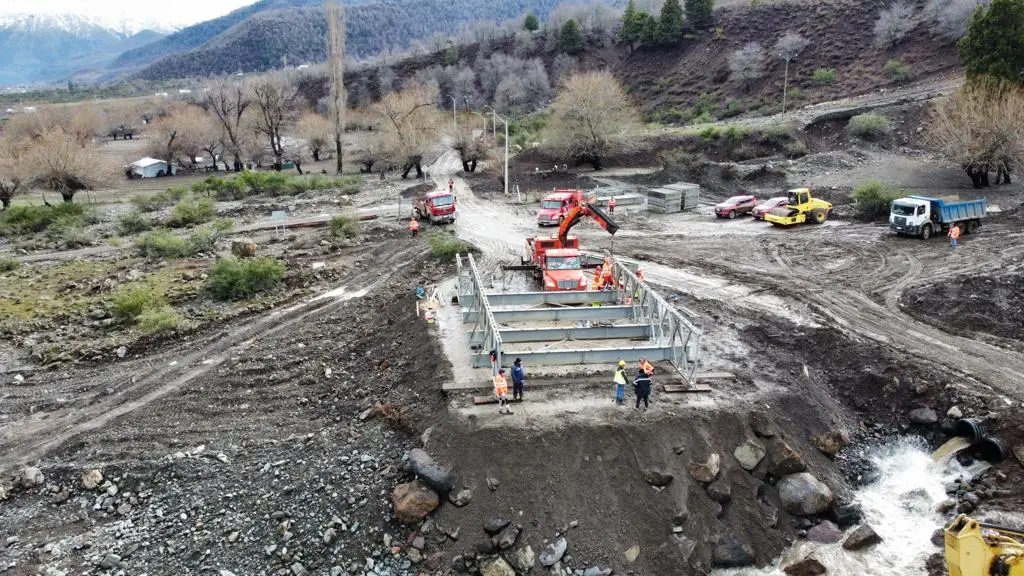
{"x": 897, "y": 70}
{"x": 71, "y": 235}
{"x": 204, "y": 239}
{"x": 344, "y": 227}
{"x": 868, "y": 126}
{"x": 232, "y": 188}
{"x": 795, "y": 149}
{"x": 132, "y": 223}
{"x": 190, "y": 212}
{"x": 27, "y": 219}
{"x": 161, "y": 244}
{"x": 9, "y": 264}
{"x": 733, "y": 107}
{"x": 160, "y": 200}
{"x": 269, "y": 183}
{"x": 233, "y": 279}
{"x": 824, "y": 76}
{"x": 872, "y": 199}
{"x": 160, "y": 319}
{"x": 795, "y": 94}
{"x": 444, "y": 246}
{"x": 129, "y": 304}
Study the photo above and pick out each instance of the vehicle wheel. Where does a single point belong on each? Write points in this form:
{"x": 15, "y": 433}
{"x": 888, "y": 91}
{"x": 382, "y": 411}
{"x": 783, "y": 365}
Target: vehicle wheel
{"x": 818, "y": 216}
{"x": 972, "y": 227}
{"x": 926, "y": 232}
{"x": 732, "y": 214}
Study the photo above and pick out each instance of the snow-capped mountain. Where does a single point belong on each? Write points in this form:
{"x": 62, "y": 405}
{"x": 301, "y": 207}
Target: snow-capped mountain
{"x": 51, "y": 47}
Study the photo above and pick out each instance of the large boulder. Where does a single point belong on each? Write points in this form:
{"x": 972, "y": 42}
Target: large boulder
{"x": 831, "y": 442}
{"x": 732, "y": 552}
{"x": 707, "y": 470}
{"x": 863, "y": 537}
{"x": 436, "y": 476}
{"x": 783, "y": 460}
{"x": 803, "y": 494}
{"x": 523, "y": 559}
{"x": 923, "y": 416}
{"x": 506, "y": 538}
{"x": 554, "y": 552}
{"x": 496, "y": 567}
{"x": 657, "y": 477}
{"x": 749, "y": 454}
{"x": 31, "y": 477}
{"x": 809, "y": 566}
{"x": 92, "y": 479}
{"x": 243, "y": 248}
{"x": 825, "y": 533}
{"x": 414, "y": 501}
{"x": 495, "y": 524}
{"x": 720, "y": 490}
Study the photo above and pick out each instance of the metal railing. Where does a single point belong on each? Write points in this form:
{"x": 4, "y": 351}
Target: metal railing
{"x": 473, "y": 299}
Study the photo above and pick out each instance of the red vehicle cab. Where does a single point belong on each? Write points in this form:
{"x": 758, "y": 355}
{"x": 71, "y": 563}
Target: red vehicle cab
{"x": 557, "y": 267}
{"x": 764, "y": 207}
{"x": 735, "y": 206}
{"x": 553, "y": 208}
{"x": 439, "y": 206}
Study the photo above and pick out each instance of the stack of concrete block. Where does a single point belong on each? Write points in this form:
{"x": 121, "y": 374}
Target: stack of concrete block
{"x": 673, "y": 198}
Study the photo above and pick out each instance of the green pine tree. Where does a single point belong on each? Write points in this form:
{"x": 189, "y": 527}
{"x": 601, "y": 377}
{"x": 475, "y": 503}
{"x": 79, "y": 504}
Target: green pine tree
{"x": 670, "y": 23}
{"x": 632, "y": 29}
{"x": 648, "y": 29}
{"x": 531, "y": 23}
{"x": 699, "y": 13}
{"x": 570, "y": 40}
{"x": 994, "y": 44}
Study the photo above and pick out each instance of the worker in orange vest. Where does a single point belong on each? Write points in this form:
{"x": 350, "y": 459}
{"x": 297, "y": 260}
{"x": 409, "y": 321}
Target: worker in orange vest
{"x": 595, "y": 283}
{"x": 414, "y": 226}
{"x": 501, "y": 391}
{"x": 611, "y": 205}
{"x": 954, "y": 235}
{"x": 640, "y": 274}
{"x": 606, "y": 273}
{"x": 646, "y": 367}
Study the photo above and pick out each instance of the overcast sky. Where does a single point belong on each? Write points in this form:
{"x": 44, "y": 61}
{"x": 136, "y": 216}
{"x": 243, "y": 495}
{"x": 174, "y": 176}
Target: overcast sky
{"x": 177, "y": 12}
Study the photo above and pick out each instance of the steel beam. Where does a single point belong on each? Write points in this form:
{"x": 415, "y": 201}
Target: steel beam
{"x": 555, "y": 314}
{"x": 582, "y": 356}
{"x": 538, "y": 298}
{"x": 623, "y": 331}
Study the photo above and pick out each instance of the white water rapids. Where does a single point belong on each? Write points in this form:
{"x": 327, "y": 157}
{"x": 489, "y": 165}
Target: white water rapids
{"x": 899, "y": 505}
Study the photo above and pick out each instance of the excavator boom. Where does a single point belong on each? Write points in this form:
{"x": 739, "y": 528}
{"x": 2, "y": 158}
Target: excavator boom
{"x": 978, "y": 549}
{"x": 578, "y": 211}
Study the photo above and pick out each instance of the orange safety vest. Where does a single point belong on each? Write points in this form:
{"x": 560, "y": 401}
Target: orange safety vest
{"x": 500, "y": 385}
{"x": 595, "y": 284}
{"x": 954, "y": 232}
{"x": 414, "y": 225}
{"x": 647, "y": 367}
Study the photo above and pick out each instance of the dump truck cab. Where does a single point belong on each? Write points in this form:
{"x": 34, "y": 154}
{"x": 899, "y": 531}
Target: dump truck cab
{"x": 801, "y": 207}
{"x": 562, "y": 269}
{"x": 554, "y": 207}
{"x": 438, "y": 206}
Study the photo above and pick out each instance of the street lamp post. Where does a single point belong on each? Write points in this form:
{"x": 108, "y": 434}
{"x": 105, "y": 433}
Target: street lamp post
{"x": 455, "y": 122}
{"x": 495, "y": 114}
{"x": 484, "y": 118}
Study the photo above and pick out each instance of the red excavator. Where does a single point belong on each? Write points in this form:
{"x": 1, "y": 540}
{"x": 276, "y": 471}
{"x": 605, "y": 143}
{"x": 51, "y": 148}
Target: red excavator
{"x": 555, "y": 260}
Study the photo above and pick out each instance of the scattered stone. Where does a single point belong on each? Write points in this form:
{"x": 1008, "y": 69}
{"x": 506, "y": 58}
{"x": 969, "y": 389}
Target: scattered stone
{"x": 946, "y": 505}
{"x": 680, "y": 516}
{"x": 225, "y": 573}
{"x": 679, "y": 449}
{"x": 633, "y": 553}
{"x": 233, "y": 537}
{"x": 124, "y": 509}
{"x": 523, "y": 559}
{"x": 299, "y": 570}
{"x": 804, "y": 494}
{"x": 830, "y": 443}
{"x": 330, "y": 535}
{"x": 720, "y": 491}
{"x": 496, "y": 567}
{"x": 419, "y": 543}
{"x": 846, "y": 515}
{"x": 110, "y": 561}
{"x": 243, "y": 248}
{"x": 923, "y": 416}
{"x": 18, "y": 378}
{"x": 783, "y": 460}
{"x": 495, "y": 524}
{"x": 733, "y": 553}
{"x": 749, "y": 454}
{"x": 437, "y": 477}
{"x": 955, "y": 413}
{"x": 12, "y": 540}
{"x": 657, "y": 477}
{"x": 1018, "y": 451}
{"x": 863, "y": 537}
{"x": 595, "y": 571}
{"x": 707, "y": 470}
{"x": 415, "y": 556}
{"x": 31, "y": 477}
{"x": 809, "y": 566}
{"x": 763, "y": 425}
{"x": 121, "y": 352}
{"x": 506, "y": 538}
{"x": 826, "y": 533}
{"x": 91, "y": 479}
{"x": 414, "y": 501}
{"x": 554, "y": 552}
{"x": 939, "y": 538}
{"x": 461, "y": 498}
{"x": 492, "y": 483}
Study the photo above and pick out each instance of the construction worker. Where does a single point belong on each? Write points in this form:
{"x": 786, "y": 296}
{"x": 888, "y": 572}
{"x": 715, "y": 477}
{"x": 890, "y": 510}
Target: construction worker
{"x": 646, "y": 367}
{"x": 414, "y": 226}
{"x": 954, "y": 235}
{"x": 639, "y": 273}
{"x": 620, "y": 383}
{"x": 611, "y": 205}
{"x": 501, "y": 392}
{"x": 518, "y": 379}
{"x": 606, "y": 273}
{"x": 642, "y": 388}
{"x": 451, "y": 186}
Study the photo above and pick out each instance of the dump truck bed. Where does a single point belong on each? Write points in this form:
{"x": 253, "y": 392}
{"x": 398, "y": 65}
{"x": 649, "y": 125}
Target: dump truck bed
{"x": 948, "y": 210}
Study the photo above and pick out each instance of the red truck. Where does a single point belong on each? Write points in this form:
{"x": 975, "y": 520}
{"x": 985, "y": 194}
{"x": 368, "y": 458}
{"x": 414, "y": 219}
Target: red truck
{"x": 438, "y": 206}
{"x": 557, "y": 264}
{"x": 554, "y": 207}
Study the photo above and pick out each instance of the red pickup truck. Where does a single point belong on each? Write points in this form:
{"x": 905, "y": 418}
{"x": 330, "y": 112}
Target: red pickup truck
{"x": 439, "y": 206}
{"x": 553, "y": 208}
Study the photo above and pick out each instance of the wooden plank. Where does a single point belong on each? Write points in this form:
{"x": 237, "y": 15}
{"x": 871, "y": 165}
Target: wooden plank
{"x": 714, "y": 376}
{"x": 479, "y": 400}
{"x": 683, "y": 388}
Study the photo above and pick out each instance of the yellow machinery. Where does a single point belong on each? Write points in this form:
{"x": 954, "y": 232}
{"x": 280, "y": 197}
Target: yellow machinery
{"x": 802, "y": 207}
{"x": 977, "y": 549}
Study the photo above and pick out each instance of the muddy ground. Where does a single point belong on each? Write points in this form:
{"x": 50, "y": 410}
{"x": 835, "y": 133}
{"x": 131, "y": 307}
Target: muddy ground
{"x": 269, "y": 442}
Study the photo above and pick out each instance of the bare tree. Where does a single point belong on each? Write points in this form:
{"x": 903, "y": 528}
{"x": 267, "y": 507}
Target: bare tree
{"x": 60, "y": 164}
{"x": 952, "y": 17}
{"x": 166, "y": 142}
{"x": 315, "y": 131}
{"x": 229, "y": 105}
{"x": 12, "y": 171}
{"x": 472, "y": 148}
{"x": 591, "y": 118}
{"x": 275, "y": 109}
{"x": 409, "y": 125}
{"x": 336, "y": 66}
{"x": 893, "y": 23}
{"x": 84, "y": 123}
{"x": 789, "y": 47}
{"x": 747, "y": 63}
{"x": 981, "y": 128}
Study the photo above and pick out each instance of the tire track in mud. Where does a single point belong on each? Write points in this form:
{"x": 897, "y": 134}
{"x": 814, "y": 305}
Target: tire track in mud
{"x": 30, "y": 440}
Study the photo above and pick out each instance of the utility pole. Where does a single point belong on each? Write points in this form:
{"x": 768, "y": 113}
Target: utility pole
{"x": 494, "y": 123}
{"x": 455, "y": 122}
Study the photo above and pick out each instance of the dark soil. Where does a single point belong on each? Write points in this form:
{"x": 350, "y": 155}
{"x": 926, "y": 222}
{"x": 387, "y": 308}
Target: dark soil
{"x": 985, "y": 304}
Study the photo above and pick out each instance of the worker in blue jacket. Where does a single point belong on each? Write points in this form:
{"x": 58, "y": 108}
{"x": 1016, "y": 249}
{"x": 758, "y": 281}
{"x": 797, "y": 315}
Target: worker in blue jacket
{"x": 518, "y": 379}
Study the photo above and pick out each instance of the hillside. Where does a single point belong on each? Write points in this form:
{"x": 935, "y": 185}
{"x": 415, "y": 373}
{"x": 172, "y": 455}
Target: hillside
{"x": 256, "y": 38}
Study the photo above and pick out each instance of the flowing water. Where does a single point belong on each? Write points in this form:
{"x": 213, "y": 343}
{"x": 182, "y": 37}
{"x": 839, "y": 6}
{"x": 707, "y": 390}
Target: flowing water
{"x": 951, "y": 447}
{"x": 900, "y": 506}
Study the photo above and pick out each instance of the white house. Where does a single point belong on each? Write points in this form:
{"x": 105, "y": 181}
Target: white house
{"x": 151, "y": 168}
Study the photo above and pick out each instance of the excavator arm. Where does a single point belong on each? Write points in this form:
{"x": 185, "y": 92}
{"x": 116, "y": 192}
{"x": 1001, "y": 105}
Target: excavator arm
{"x": 579, "y": 211}
{"x": 978, "y": 549}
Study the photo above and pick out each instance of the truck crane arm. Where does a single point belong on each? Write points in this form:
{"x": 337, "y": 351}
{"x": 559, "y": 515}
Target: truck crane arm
{"x": 579, "y": 211}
